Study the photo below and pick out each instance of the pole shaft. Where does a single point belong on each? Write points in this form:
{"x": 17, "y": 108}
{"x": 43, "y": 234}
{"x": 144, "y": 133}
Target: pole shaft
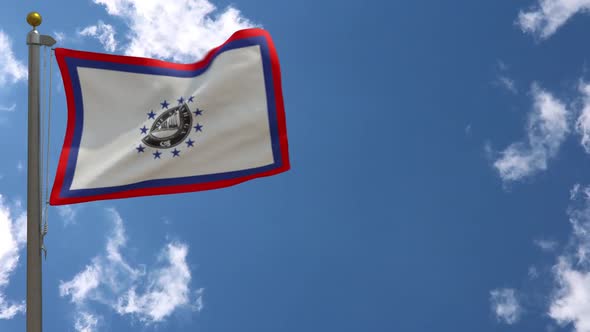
{"x": 34, "y": 285}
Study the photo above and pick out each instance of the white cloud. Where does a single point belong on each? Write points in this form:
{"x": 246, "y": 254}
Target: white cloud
{"x": 547, "y": 128}
{"x": 182, "y": 30}
{"x": 507, "y": 83}
{"x": 59, "y": 36}
{"x": 574, "y": 191}
{"x": 502, "y": 78}
{"x": 167, "y": 288}
{"x": 546, "y": 245}
{"x": 9, "y": 310}
{"x": 547, "y": 16}
{"x": 199, "y": 302}
{"x": 502, "y": 66}
{"x": 580, "y": 220}
{"x": 505, "y": 305}
{"x": 67, "y": 213}
{"x": 11, "y": 70}
{"x": 20, "y": 166}
{"x": 83, "y": 283}
{"x": 583, "y": 122}
{"x": 105, "y": 33}
{"x": 86, "y": 322}
{"x": 150, "y": 295}
{"x": 570, "y": 302}
{"x": 12, "y": 239}
{"x": 10, "y": 108}
{"x": 468, "y": 129}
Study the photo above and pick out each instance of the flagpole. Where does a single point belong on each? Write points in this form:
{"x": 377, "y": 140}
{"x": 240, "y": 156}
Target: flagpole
{"x": 34, "y": 286}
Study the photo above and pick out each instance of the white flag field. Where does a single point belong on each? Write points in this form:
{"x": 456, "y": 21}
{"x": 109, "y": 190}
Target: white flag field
{"x": 140, "y": 127}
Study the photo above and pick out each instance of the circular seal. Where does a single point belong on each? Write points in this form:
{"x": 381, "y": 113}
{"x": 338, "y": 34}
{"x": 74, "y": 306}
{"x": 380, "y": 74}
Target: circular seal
{"x": 170, "y": 128}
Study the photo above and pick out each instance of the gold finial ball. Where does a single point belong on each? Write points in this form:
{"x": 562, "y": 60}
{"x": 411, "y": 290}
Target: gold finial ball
{"x": 34, "y": 19}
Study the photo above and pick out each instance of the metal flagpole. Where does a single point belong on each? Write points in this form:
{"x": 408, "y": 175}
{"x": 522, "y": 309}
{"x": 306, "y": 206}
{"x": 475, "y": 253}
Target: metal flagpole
{"x": 34, "y": 290}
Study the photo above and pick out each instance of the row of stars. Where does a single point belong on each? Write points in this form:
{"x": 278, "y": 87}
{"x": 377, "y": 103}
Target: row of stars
{"x": 181, "y": 100}
{"x": 175, "y": 153}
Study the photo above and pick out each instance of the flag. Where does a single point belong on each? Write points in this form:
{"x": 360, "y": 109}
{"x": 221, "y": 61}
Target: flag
{"x": 139, "y": 127}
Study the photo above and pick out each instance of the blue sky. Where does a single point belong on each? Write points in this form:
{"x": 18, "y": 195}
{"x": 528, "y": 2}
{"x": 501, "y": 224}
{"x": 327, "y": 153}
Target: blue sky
{"x": 438, "y": 175}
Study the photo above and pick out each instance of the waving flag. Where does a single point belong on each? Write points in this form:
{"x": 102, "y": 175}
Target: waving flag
{"x": 141, "y": 127}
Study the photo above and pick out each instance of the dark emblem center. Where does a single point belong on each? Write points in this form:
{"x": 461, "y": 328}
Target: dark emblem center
{"x": 170, "y": 128}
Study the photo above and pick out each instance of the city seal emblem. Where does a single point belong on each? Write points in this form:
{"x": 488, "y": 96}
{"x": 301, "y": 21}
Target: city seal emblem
{"x": 170, "y": 128}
